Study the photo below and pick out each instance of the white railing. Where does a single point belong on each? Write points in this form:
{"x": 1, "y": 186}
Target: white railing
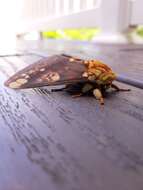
{"x": 137, "y": 12}
{"x": 33, "y": 9}
{"x": 113, "y": 16}
{"x": 53, "y": 14}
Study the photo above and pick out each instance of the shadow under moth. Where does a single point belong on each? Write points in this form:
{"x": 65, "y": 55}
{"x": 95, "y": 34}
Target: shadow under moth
{"x": 80, "y": 77}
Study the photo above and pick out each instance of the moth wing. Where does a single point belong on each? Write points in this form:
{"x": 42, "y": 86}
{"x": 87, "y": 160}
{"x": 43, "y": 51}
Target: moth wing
{"x": 53, "y": 70}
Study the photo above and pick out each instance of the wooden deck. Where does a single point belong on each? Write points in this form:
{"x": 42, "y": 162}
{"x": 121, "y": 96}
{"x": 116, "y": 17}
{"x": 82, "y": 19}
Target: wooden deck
{"x": 50, "y": 141}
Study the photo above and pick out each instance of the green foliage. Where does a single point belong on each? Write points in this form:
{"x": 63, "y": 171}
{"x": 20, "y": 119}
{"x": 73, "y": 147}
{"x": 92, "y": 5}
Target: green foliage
{"x": 81, "y": 34}
{"x": 139, "y": 31}
{"x": 52, "y": 34}
{"x": 86, "y": 34}
{"x": 73, "y": 34}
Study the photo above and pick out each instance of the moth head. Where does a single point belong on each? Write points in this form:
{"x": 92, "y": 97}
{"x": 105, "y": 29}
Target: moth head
{"x": 99, "y": 72}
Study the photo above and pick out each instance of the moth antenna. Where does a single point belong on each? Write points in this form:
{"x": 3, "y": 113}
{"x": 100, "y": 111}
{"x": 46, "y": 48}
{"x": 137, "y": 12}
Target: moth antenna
{"x": 119, "y": 89}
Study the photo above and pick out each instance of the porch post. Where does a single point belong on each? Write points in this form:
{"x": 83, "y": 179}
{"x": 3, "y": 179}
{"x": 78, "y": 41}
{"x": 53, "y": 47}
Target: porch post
{"x": 115, "y": 15}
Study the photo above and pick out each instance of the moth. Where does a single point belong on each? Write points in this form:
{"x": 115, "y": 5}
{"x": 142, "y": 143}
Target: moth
{"x": 79, "y": 76}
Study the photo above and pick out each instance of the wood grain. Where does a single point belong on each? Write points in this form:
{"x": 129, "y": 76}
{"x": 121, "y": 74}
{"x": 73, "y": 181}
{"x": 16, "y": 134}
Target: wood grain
{"x": 51, "y": 141}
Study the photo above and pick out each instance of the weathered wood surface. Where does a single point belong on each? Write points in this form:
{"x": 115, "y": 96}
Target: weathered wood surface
{"x": 51, "y": 141}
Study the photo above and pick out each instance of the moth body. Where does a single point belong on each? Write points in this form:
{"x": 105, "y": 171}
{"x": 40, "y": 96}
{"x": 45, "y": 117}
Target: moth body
{"x": 90, "y": 76}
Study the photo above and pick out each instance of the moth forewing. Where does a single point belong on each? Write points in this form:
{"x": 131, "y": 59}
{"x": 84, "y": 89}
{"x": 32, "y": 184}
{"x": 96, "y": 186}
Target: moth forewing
{"x": 54, "y": 70}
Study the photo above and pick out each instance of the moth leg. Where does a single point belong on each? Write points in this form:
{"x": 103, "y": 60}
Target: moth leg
{"x": 77, "y": 95}
{"x": 98, "y": 95}
{"x": 85, "y": 89}
{"x": 119, "y": 89}
{"x": 60, "y": 89}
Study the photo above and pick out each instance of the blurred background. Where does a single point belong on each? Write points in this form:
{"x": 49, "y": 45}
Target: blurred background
{"x": 106, "y": 21}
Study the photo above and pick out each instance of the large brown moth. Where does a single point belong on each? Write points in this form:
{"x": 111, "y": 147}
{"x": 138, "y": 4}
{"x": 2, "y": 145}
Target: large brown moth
{"x": 80, "y": 76}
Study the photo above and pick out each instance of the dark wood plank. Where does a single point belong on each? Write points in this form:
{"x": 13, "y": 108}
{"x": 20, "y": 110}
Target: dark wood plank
{"x": 51, "y": 141}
